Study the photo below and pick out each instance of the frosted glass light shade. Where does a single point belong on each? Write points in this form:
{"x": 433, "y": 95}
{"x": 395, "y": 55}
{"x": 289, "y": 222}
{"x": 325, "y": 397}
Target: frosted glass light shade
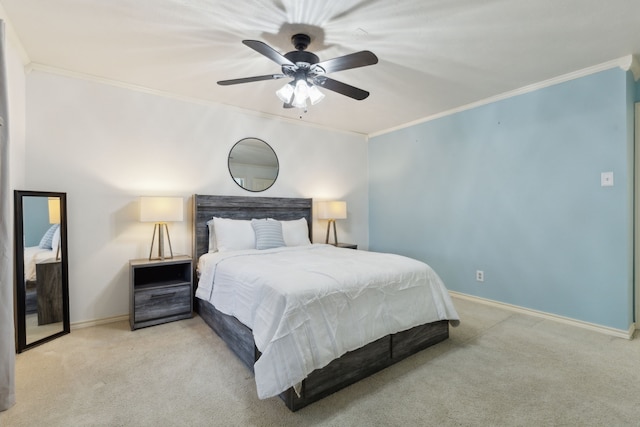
{"x": 161, "y": 209}
{"x": 315, "y": 95}
{"x": 299, "y": 102}
{"x": 301, "y": 91}
{"x": 296, "y": 93}
{"x": 332, "y": 210}
{"x": 285, "y": 93}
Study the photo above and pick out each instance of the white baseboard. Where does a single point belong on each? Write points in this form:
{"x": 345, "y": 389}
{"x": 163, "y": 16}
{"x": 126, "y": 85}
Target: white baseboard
{"x": 619, "y": 333}
{"x": 96, "y": 322}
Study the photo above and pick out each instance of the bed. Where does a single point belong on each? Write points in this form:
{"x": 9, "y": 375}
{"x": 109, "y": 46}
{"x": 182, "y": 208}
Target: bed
{"x": 33, "y": 255}
{"x": 343, "y": 368}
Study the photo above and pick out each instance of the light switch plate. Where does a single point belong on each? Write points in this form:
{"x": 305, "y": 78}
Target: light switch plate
{"x": 606, "y": 179}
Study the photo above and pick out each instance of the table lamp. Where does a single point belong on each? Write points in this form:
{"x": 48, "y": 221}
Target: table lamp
{"x": 332, "y": 210}
{"x": 54, "y": 218}
{"x": 161, "y": 210}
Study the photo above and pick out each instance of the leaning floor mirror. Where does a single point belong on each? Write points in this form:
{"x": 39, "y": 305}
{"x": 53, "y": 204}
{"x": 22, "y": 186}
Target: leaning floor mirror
{"x": 41, "y": 269}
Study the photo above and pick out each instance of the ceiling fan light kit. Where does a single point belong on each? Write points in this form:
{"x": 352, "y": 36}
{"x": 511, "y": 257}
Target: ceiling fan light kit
{"x": 300, "y": 94}
{"x": 285, "y": 93}
{"x": 307, "y": 72}
{"x": 315, "y": 95}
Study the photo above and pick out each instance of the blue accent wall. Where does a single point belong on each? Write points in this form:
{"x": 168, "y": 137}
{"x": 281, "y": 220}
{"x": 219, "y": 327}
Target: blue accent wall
{"x": 513, "y": 188}
{"x": 35, "y": 210}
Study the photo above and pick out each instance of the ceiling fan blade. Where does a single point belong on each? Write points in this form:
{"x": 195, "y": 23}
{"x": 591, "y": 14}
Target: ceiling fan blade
{"x": 251, "y": 79}
{"x": 268, "y": 51}
{"x": 346, "y": 62}
{"x": 341, "y": 88}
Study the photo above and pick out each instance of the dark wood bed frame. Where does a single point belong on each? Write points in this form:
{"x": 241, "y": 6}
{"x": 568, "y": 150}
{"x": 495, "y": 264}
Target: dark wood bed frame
{"x": 348, "y": 369}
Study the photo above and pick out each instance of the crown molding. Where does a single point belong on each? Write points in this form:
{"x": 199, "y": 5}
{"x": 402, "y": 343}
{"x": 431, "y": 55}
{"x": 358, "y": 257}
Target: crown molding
{"x": 34, "y": 66}
{"x": 630, "y": 63}
{"x": 626, "y": 63}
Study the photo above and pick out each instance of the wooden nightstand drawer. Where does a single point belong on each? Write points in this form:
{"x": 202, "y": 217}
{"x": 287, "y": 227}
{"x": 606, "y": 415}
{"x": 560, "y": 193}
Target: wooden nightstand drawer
{"x": 163, "y": 301}
{"x": 160, "y": 291}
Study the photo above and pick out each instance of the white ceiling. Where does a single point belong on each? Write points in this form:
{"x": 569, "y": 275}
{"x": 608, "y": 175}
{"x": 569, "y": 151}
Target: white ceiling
{"x": 434, "y": 55}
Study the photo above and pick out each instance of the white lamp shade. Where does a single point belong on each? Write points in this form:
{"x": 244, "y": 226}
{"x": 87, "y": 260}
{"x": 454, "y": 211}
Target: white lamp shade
{"x": 285, "y": 93}
{"x": 161, "y": 209}
{"x": 54, "y": 210}
{"x": 332, "y": 210}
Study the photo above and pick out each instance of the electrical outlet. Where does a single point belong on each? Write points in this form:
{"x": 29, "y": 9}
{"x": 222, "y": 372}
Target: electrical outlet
{"x": 480, "y": 275}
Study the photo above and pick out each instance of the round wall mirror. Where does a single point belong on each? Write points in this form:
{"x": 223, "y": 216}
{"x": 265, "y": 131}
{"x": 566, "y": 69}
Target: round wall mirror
{"x": 253, "y": 164}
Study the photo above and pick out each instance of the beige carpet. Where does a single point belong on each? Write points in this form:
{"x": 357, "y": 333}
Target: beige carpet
{"x": 497, "y": 369}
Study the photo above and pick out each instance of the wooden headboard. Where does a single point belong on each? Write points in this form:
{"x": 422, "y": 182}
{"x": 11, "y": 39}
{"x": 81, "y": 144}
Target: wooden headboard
{"x": 242, "y": 207}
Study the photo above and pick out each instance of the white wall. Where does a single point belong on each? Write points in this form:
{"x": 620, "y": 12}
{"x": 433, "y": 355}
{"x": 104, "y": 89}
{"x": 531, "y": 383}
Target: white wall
{"x": 16, "y": 92}
{"x": 106, "y": 145}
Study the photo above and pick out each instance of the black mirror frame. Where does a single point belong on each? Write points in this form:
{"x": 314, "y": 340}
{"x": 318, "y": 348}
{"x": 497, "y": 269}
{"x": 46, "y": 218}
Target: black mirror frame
{"x": 20, "y": 286}
{"x": 274, "y": 155}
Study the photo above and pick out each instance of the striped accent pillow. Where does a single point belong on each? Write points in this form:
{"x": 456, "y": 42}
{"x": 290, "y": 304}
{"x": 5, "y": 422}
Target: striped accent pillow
{"x": 47, "y": 240}
{"x": 268, "y": 233}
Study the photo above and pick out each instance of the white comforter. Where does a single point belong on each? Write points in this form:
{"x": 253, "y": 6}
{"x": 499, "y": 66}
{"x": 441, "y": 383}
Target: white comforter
{"x": 32, "y": 256}
{"x": 309, "y": 305}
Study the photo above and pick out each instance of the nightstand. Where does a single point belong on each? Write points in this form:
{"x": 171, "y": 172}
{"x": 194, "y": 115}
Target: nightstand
{"x": 346, "y": 245}
{"x": 49, "y": 291}
{"x": 160, "y": 291}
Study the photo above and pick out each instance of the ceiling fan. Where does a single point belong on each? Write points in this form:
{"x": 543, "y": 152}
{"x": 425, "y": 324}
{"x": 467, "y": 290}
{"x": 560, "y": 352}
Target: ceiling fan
{"x": 307, "y": 72}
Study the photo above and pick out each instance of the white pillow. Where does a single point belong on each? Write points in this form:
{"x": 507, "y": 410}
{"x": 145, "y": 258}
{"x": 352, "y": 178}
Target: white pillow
{"x": 268, "y": 233}
{"x": 212, "y": 236}
{"x": 233, "y": 234}
{"x": 296, "y": 232}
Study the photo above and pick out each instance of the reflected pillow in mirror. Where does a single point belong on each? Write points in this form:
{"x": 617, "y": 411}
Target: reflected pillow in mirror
{"x": 268, "y": 233}
{"x": 55, "y": 241}
{"x": 47, "y": 239}
{"x": 296, "y": 232}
